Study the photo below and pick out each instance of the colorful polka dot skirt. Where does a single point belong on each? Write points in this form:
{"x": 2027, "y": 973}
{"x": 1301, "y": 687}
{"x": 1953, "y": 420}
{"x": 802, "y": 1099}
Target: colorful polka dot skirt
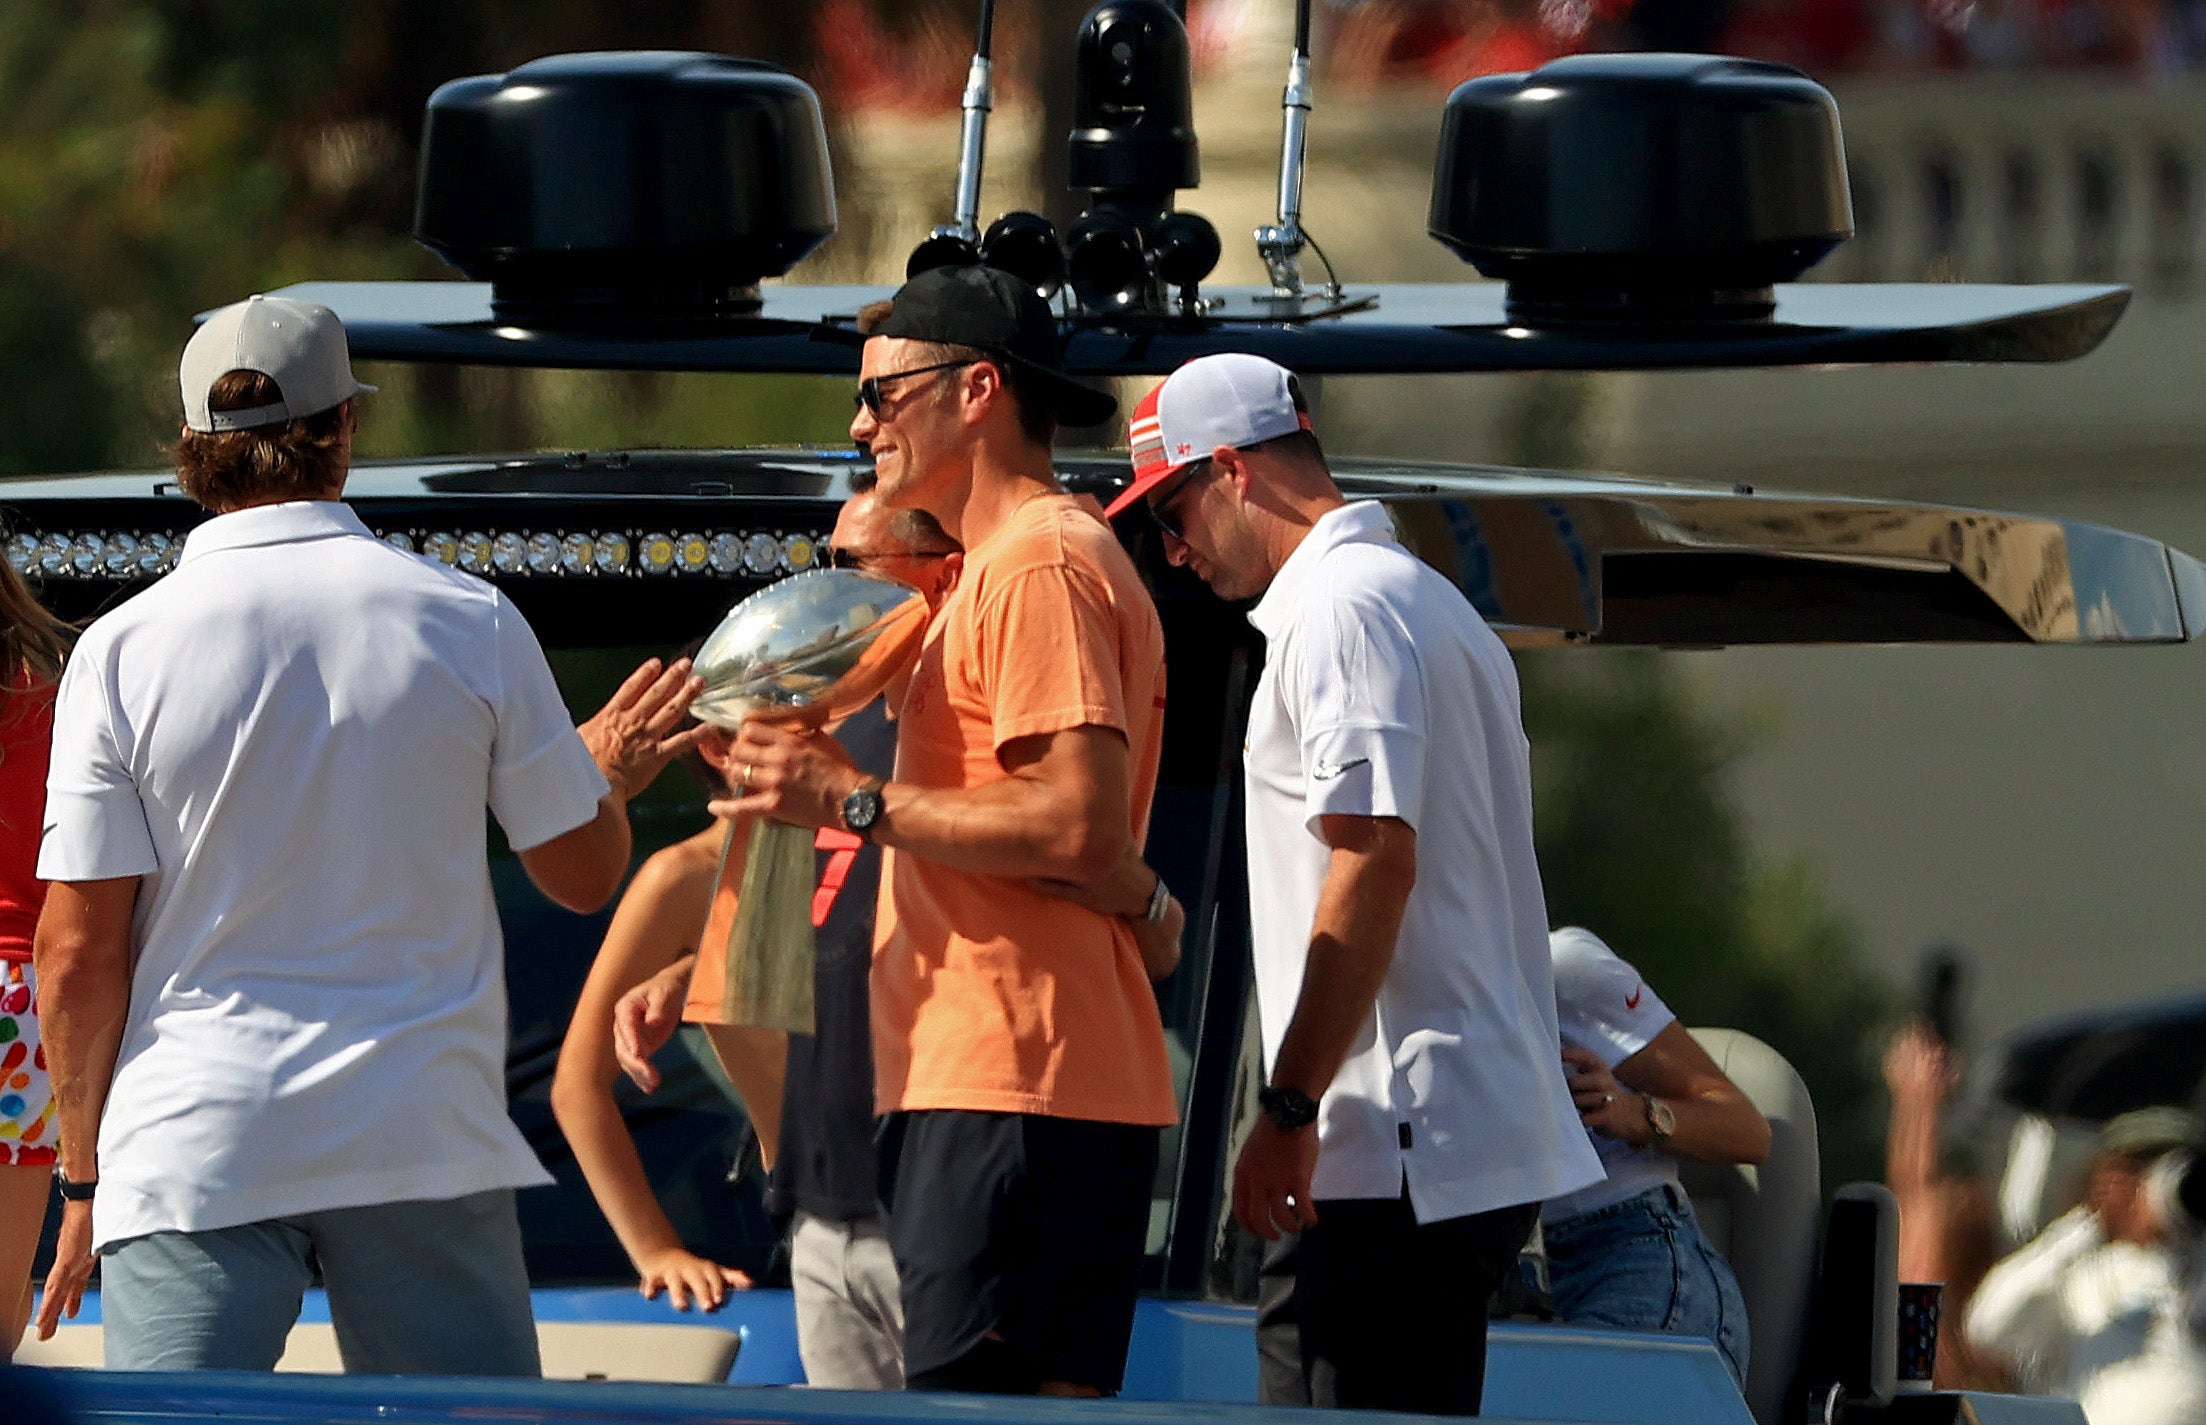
{"x": 27, "y": 1129}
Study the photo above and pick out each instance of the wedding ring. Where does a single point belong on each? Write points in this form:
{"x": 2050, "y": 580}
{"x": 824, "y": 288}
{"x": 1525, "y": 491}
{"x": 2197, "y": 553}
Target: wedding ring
{"x": 1607, "y": 1099}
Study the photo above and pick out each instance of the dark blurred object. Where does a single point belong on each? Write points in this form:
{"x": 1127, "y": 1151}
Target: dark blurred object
{"x": 1637, "y": 187}
{"x": 1853, "y": 1334}
{"x": 2103, "y": 1062}
{"x": 1941, "y": 994}
{"x": 657, "y": 183}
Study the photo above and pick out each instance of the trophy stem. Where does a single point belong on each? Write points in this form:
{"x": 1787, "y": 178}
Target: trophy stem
{"x": 771, "y": 950}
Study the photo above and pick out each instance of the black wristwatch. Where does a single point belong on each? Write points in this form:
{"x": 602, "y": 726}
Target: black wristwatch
{"x": 75, "y": 1192}
{"x": 1291, "y": 1109}
{"x": 862, "y": 808}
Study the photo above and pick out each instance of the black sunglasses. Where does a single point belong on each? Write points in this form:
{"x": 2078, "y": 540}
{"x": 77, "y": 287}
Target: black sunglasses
{"x": 1160, "y": 510}
{"x": 869, "y": 390}
{"x": 860, "y": 558}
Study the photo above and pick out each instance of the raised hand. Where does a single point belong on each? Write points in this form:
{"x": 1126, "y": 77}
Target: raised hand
{"x": 639, "y": 730}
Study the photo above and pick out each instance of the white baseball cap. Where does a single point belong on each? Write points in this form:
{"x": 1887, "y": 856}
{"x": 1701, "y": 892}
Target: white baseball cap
{"x": 1231, "y": 399}
{"x": 298, "y": 345}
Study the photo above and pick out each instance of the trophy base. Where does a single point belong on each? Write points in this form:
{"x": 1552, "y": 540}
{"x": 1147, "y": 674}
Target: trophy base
{"x": 770, "y": 951}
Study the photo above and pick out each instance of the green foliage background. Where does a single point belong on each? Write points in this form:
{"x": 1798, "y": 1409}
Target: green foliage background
{"x": 161, "y": 157}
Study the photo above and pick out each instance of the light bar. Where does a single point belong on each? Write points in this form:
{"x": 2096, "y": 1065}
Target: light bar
{"x": 124, "y": 556}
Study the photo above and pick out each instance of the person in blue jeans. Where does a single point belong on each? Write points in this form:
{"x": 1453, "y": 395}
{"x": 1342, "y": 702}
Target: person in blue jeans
{"x": 1627, "y": 1252}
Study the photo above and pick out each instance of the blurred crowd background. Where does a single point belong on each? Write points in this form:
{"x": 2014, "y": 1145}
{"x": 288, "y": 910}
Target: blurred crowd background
{"x": 1774, "y": 835}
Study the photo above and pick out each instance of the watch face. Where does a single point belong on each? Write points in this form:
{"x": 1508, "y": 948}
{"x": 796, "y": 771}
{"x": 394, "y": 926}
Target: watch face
{"x": 1660, "y": 1115}
{"x": 861, "y": 808}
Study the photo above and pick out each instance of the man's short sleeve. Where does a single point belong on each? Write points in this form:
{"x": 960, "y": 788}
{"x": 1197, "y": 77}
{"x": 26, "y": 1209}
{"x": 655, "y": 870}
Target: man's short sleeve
{"x": 1600, "y": 1000}
{"x": 1361, "y": 720}
{"x": 543, "y": 781}
{"x": 1048, "y": 645}
{"x": 95, "y": 826}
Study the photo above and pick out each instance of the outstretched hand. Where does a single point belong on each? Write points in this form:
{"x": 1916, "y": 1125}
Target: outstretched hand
{"x": 1918, "y": 1068}
{"x": 686, "y": 1277}
{"x": 639, "y": 730}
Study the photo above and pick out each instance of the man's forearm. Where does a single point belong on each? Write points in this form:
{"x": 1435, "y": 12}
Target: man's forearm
{"x": 84, "y": 999}
{"x": 1359, "y": 916}
{"x": 1016, "y": 827}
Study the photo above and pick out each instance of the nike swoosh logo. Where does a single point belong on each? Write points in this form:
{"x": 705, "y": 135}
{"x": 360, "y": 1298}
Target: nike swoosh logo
{"x": 1633, "y": 1002}
{"x": 1327, "y": 771}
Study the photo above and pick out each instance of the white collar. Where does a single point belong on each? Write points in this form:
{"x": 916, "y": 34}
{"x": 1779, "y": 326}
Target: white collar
{"x": 291, "y": 522}
{"x": 1357, "y": 522}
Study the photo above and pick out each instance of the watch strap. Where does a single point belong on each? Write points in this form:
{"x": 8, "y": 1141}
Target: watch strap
{"x": 74, "y": 1191}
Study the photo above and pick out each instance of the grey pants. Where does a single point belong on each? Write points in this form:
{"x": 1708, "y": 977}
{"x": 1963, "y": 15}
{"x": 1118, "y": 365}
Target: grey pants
{"x": 850, "y": 1314}
{"x": 415, "y": 1288}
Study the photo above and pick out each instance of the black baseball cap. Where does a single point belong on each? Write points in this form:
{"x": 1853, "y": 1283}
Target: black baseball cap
{"x": 985, "y": 307}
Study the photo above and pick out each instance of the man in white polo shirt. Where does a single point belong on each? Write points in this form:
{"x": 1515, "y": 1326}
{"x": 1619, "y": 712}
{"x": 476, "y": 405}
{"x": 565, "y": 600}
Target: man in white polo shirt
{"x": 270, "y": 959}
{"x": 1413, "y": 1118}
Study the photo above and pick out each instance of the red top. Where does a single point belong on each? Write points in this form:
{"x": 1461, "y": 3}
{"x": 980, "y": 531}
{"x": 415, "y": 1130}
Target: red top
{"x": 26, "y": 738}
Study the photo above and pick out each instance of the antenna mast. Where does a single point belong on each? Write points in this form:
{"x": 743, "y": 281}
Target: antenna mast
{"x": 973, "y": 136}
{"x": 1281, "y": 244}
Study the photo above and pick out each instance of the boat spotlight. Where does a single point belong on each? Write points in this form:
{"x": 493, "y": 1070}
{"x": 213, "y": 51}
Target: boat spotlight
{"x": 1107, "y": 261}
{"x": 1184, "y": 248}
{"x": 1025, "y": 245}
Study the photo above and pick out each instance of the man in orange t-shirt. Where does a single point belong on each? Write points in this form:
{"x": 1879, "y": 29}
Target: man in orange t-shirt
{"x": 1017, "y": 1047}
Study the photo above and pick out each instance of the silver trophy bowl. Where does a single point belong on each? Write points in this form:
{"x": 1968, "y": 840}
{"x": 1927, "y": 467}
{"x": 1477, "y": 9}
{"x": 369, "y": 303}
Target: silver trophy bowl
{"x": 810, "y": 649}
{"x": 804, "y": 652}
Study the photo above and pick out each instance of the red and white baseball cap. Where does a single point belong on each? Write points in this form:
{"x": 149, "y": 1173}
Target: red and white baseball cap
{"x": 1230, "y": 399}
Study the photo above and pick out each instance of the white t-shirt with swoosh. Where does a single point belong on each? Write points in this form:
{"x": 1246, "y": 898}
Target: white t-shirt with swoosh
{"x": 1384, "y": 694}
{"x": 1606, "y": 1007}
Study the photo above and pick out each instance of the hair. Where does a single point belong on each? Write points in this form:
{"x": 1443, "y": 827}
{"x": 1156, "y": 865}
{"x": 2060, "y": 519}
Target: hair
{"x": 1029, "y": 396}
{"x": 916, "y": 530}
{"x": 287, "y": 460}
{"x": 33, "y": 642}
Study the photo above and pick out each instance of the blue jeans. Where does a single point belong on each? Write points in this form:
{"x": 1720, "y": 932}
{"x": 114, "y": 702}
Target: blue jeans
{"x": 1643, "y": 1264}
{"x": 415, "y": 1288}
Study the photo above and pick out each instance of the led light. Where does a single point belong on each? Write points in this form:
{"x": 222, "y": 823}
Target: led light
{"x": 122, "y": 556}
{"x": 798, "y": 551}
{"x": 53, "y": 555}
{"x": 23, "y": 553}
{"x": 762, "y": 554}
{"x": 577, "y": 554}
{"x": 692, "y": 554}
{"x": 441, "y": 547}
{"x": 509, "y": 553}
{"x": 612, "y": 553}
{"x": 156, "y": 555}
{"x": 87, "y": 555}
{"x": 399, "y": 539}
{"x": 475, "y": 552}
{"x": 543, "y": 556}
{"x": 727, "y": 553}
{"x": 655, "y": 554}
